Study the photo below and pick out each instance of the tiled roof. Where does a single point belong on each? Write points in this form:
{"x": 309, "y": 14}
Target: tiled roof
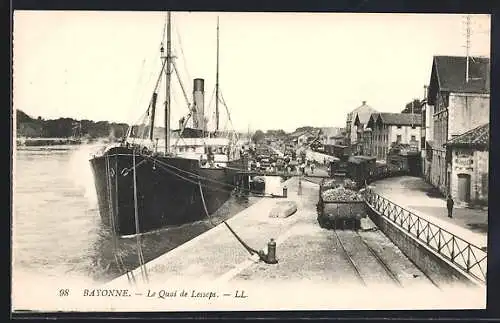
{"x": 372, "y": 120}
{"x": 479, "y": 136}
{"x": 362, "y": 114}
{"x": 451, "y": 74}
{"x": 400, "y": 119}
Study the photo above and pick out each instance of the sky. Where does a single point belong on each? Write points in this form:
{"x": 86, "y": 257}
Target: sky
{"x": 277, "y": 70}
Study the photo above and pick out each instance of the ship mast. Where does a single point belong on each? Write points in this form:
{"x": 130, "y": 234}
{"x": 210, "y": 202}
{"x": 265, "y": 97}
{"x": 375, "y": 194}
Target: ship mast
{"x": 217, "y": 83}
{"x": 168, "y": 72}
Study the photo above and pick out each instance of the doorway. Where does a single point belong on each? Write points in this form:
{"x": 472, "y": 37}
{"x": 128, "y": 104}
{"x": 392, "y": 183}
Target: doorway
{"x": 464, "y": 187}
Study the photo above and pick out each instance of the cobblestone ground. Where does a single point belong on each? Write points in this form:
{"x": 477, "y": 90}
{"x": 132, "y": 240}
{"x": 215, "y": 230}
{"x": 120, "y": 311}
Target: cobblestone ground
{"x": 415, "y": 193}
{"x": 311, "y": 253}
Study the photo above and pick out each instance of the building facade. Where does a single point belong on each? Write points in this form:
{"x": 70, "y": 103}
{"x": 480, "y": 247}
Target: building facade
{"x": 367, "y": 146}
{"x": 468, "y": 154}
{"x": 427, "y": 135}
{"x": 458, "y": 98}
{"x": 388, "y": 129}
{"x": 362, "y": 112}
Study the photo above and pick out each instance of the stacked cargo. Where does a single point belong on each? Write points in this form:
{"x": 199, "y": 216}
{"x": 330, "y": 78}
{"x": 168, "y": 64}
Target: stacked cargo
{"x": 340, "y": 206}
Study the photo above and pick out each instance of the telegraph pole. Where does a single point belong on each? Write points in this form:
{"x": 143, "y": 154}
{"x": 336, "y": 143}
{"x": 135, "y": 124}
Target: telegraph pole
{"x": 467, "y": 47}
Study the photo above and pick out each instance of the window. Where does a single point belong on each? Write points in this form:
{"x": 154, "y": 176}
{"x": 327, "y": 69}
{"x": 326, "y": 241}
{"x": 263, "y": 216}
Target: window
{"x": 399, "y": 127}
{"x": 413, "y": 138}
{"x": 398, "y": 139}
{"x": 414, "y": 127}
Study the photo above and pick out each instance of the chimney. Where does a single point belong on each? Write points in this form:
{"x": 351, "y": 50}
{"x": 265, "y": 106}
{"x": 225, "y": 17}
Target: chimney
{"x": 363, "y": 103}
{"x": 199, "y": 102}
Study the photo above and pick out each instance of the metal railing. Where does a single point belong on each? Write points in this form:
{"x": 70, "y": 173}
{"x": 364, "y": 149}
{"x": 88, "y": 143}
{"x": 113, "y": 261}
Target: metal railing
{"x": 465, "y": 255}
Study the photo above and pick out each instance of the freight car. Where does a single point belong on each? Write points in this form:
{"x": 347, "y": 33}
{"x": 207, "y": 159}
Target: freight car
{"x": 366, "y": 169}
{"x": 338, "y": 151}
{"x": 361, "y": 169}
{"x": 339, "y": 207}
{"x": 404, "y": 163}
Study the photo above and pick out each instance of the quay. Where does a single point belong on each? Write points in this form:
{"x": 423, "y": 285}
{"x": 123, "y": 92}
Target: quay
{"x": 47, "y": 141}
{"x": 316, "y": 268}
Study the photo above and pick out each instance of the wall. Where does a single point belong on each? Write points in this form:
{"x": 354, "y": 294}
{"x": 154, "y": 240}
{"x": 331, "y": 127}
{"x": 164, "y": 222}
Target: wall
{"x": 466, "y": 112}
{"x": 438, "y": 170}
{"x": 406, "y": 132}
{"x": 367, "y": 143}
{"x": 381, "y": 140}
{"x": 428, "y": 130}
{"x": 454, "y": 114}
{"x": 475, "y": 164}
{"x": 429, "y": 127}
{"x": 440, "y": 136}
{"x": 439, "y": 270}
{"x": 348, "y": 127}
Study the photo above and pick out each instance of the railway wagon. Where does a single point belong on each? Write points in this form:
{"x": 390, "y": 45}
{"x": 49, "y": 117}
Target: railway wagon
{"x": 404, "y": 163}
{"x": 337, "y": 167}
{"x": 361, "y": 169}
{"x": 342, "y": 212}
{"x": 338, "y": 151}
{"x": 381, "y": 170}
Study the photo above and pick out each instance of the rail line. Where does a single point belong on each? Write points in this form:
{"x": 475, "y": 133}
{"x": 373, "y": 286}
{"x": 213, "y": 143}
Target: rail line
{"x": 349, "y": 258}
{"x": 389, "y": 272}
{"x": 373, "y": 253}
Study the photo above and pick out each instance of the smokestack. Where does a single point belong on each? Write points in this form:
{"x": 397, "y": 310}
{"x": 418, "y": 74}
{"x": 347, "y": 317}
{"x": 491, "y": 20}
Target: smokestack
{"x": 199, "y": 102}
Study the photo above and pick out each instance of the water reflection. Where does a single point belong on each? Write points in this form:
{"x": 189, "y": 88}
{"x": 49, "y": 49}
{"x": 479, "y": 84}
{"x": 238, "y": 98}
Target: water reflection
{"x": 57, "y": 229}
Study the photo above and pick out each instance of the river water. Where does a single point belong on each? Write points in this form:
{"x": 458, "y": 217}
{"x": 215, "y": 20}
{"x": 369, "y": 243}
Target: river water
{"x": 57, "y": 230}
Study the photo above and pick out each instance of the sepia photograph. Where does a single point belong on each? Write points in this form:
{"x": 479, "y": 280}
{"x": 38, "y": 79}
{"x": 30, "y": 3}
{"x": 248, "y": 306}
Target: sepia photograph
{"x": 174, "y": 161}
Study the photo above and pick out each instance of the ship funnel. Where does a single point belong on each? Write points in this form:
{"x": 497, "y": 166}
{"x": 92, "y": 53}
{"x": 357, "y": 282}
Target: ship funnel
{"x": 199, "y": 102}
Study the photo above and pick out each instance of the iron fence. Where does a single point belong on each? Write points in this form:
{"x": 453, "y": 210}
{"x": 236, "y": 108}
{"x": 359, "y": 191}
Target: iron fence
{"x": 467, "y": 256}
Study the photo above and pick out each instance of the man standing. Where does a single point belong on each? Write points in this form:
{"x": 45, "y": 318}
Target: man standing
{"x": 449, "y": 205}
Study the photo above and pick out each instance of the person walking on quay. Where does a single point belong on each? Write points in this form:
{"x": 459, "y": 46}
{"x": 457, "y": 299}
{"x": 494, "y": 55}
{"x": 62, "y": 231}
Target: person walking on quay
{"x": 449, "y": 205}
{"x": 312, "y": 168}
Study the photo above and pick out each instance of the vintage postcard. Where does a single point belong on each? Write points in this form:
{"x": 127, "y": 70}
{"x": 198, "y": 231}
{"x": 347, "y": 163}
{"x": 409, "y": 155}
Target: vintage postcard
{"x": 205, "y": 161}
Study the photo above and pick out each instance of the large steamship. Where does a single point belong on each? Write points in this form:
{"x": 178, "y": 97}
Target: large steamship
{"x": 146, "y": 182}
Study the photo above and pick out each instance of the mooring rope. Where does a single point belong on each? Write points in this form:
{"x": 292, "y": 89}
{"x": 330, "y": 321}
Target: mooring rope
{"x": 247, "y": 247}
{"x": 198, "y": 177}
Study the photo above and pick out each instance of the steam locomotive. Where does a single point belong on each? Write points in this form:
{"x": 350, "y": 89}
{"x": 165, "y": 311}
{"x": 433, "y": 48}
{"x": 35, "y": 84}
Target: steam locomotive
{"x": 366, "y": 169}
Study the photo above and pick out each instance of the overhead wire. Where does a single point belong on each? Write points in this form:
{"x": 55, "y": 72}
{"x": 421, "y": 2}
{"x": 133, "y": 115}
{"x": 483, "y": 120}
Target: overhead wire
{"x": 198, "y": 177}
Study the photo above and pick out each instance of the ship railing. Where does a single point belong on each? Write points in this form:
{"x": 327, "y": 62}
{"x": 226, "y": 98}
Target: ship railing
{"x": 463, "y": 254}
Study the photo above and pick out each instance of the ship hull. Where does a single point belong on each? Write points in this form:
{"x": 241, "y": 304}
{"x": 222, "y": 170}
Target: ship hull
{"x": 167, "y": 190}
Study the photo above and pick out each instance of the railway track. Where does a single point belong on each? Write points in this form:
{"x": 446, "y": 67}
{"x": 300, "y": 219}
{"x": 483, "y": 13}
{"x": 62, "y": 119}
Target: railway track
{"x": 353, "y": 250}
{"x": 349, "y": 259}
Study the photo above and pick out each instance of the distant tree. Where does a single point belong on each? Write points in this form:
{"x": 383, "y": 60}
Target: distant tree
{"x": 413, "y": 107}
{"x": 65, "y": 127}
{"x": 305, "y": 128}
{"x": 258, "y": 136}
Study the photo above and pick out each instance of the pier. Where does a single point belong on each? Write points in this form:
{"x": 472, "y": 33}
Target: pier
{"x": 339, "y": 260}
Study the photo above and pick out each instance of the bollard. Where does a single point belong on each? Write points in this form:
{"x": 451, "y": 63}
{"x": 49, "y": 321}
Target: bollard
{"x": 271, "y": 252}
{"x": 285, "y": 191}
